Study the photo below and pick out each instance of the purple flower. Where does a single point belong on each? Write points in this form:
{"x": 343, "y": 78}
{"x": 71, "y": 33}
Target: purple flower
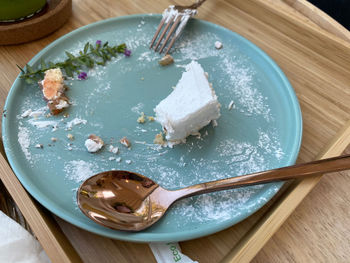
{"x": 82, "y": 75}
{"x": 98, "y": 42}
{"x": 127, "y": 52}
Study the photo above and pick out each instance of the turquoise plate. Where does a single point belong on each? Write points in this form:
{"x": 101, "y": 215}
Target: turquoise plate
{"x": 261, "y": 131}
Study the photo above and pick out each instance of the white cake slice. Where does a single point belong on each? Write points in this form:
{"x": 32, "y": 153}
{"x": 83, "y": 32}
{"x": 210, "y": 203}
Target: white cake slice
{"x": 189, "y": 107}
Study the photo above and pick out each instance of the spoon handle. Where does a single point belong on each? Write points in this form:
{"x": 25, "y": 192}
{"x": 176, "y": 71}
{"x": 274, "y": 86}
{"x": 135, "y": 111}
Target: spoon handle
{"x": 297, "y": 171}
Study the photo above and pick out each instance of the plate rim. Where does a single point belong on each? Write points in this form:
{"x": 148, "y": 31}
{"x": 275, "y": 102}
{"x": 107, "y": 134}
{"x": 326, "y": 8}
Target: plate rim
{"x": 204, "y": 230}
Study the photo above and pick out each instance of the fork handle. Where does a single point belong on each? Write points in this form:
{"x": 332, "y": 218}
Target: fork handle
{"x": 298, "y": 171}
{"x": 193, "y": 6}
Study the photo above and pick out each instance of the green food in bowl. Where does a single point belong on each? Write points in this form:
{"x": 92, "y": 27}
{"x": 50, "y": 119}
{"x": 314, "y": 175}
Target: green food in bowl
{"x": 16, "y": 9}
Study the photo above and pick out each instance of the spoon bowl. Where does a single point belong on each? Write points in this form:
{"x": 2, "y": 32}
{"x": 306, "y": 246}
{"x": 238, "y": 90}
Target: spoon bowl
{"x": 124, "y": 200}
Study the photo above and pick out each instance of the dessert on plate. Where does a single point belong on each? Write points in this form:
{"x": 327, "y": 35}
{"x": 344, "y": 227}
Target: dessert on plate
{"x": 53, "y": 90}
{"x": 189, "y": 107}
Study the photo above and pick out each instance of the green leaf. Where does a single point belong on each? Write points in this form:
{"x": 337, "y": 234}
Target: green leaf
{"x": 68, "y": 71}
{"x": 105, "y": 44}
{"x": 121, "y": 48}
{"x": 70, "y": 55}
{"x": 86, "y": 47}
{"x": 111, "y": 51}
{"x": 21, "y": 69}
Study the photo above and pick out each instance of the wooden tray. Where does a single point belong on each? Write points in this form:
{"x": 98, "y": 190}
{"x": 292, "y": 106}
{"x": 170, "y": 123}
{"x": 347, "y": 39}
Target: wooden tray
{"x": 318, "y": 65}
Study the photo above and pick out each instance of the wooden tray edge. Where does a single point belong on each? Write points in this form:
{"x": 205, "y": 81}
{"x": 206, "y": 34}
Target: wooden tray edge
{"x": 259, "y": 235}
{"x": 45, "y": 228}
{"x": 59, "y": 249}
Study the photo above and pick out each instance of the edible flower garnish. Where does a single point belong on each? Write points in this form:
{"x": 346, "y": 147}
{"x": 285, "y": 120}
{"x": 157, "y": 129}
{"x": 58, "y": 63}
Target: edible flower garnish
{"x": 85, "y": 59}
{"x": 82, "y": 75}
{"x": 127, "y": 52}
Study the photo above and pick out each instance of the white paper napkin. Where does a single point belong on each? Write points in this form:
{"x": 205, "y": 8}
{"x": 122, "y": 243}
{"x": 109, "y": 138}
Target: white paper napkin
{"x": 169, "y": 253}
{"x": 17, "y": 245}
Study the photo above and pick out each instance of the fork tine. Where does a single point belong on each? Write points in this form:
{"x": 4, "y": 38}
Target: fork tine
{"x": 162, "y": 34}
{"x": 178, "y": 32}
{"x": 157, "y": 32}
{"x": 172, "y": 29}
{"x": 170, "y": 45}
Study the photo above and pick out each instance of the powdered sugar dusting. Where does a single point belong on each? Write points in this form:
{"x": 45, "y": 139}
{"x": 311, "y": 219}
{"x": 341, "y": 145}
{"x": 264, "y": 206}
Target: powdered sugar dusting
{"x": 24, "y": 141}
{"x": 79, "y": 170}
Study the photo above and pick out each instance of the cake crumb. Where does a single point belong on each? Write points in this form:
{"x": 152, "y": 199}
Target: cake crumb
{"x": 53, "y": 139}
{"x": 111, "y": 158}
{"x": 150, "y": 118}
{"x": 94, "y": 143}
{"x": 128, "y": 161}
{"x": 40, "y": 146}
{"x": 159, "y": 139}
{"x": 113, "y": 149}
{"x": 118, "y": 160}
{"x": 218, "y": 45}
{"x": 142, "y": 78}
{"x": 142, "y": 118}
{"x": 124, "y": 141}
{"x": 230, "y": 106}
{"x": 70, "y": 136}
{"x": 166, "y": 60}
{"x": 214, "y": 123}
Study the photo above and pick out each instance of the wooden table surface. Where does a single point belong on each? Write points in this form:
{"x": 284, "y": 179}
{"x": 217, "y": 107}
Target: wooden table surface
{"x": 319, "y": 229}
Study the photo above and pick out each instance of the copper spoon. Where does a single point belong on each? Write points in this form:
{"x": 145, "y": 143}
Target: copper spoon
{"x": 125, "y": 200}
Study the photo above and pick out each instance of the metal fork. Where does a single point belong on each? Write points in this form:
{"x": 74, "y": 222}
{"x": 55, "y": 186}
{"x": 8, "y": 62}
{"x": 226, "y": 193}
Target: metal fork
{"x": 177, "y": 17}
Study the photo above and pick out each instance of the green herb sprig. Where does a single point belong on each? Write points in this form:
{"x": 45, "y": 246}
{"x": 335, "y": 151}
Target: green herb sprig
{"x": 87, "y": 58}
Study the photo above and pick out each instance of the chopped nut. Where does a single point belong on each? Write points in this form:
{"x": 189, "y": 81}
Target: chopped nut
{"x": 56, "y": 106}
{"x": 159, "y": 139}
{"x": 150, "y": 118}
{"x": 142, "y": 118}
{"x": 166, "y": 60}
{"x": 70, "y": 136}
{"x": 53, "y": 139}
{"x": 125, "y": 142}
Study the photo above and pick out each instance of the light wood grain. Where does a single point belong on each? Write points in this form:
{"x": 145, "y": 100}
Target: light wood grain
{"x": 316, "y": 62}
{"x": 257, "y": 237}
{"x": 320, "y": 18}
{"x": 41, "y": 221}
